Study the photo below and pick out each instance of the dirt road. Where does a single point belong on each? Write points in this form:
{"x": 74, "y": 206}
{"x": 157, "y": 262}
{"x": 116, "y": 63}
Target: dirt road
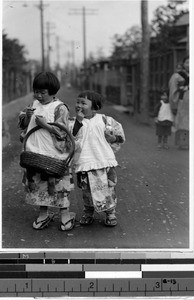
{"x": 153, "y": 194}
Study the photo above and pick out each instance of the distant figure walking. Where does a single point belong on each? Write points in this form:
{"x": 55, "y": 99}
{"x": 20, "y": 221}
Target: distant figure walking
{"x": 179, "y": 101}
{"x": 164, "y": 120}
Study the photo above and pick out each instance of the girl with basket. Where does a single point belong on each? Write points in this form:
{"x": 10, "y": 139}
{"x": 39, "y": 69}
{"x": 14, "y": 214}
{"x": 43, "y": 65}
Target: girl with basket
{"x": 51, "y": 141}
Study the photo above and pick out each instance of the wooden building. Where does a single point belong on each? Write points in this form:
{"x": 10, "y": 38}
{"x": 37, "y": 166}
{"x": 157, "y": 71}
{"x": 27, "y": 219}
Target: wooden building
{"x": 120, "y": 83}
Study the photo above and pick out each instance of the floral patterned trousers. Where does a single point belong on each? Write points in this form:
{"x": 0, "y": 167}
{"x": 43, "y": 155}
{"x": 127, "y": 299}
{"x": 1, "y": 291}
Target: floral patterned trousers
{"x": 98, "y": 190}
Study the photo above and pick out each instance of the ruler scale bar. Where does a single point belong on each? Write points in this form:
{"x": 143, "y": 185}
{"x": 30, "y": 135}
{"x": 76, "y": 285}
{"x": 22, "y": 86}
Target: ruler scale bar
{"x": 75, "y": 274}
{"x": 97, "y": 285}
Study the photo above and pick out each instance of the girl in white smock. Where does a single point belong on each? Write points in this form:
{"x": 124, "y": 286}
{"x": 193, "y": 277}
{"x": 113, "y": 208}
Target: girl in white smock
{"x": 97, "y": 137}
{"x": 164, "y": 120}
{"x": 42, "y": 189}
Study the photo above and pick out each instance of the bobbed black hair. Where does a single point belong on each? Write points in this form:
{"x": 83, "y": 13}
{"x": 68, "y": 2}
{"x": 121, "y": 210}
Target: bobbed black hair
{"x": 48, "y": 81}
{"x": 164, "y": 90}
{"x": 96, "y": 98}
{"x": 184, "y": 59}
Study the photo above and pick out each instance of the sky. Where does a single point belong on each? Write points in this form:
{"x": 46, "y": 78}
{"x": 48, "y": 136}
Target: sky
{"x": 104, "y": 19}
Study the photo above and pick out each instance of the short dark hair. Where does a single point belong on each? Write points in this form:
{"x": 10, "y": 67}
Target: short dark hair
{"x": 96, "y": 98}
{"x": 163, "y": 90}
{"x": 185, "y": 58}
{"x": 48, "y": 81}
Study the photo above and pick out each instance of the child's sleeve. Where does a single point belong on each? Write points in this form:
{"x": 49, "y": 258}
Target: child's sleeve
{"x": 21, "y": 119}
{"x": 74, "y": 127}
{"x": 22, "y": 123}
{"x": 60, "y": 138}
{"x": 117, "y": 130}
{"x": 61, "y": 115}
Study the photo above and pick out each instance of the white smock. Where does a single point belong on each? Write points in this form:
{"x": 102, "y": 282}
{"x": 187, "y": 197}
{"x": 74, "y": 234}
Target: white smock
{"x": 41, "y": 140}
{"x": 93, "y": 151}
{"x": 165, "y": 112}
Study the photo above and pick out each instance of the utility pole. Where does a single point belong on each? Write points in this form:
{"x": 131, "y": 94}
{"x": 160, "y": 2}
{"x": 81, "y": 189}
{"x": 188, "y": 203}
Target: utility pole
{"x": 84, "y": 37}
{"x": 58, "y": 51}
{"x": 84, "y": 12}
{"x": 42, "y": 33}
{"x": 144, "y": 65}
{"x": 41, "y": 7}
{"x": 48, "y": 43}
{"x": 73, "y": 52}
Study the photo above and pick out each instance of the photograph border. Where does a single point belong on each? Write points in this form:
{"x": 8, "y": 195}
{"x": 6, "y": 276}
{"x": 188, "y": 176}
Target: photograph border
{"x": 139, "y": 253}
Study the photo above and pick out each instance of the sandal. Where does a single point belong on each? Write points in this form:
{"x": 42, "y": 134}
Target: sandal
{"x": 38, "y": 225}
{"x": 62, "y": 225}
{"x": 86, "y": 220}
{"x": 111, "y": 222}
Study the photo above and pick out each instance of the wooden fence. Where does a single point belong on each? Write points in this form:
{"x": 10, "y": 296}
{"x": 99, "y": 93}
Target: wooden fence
{"x": 15, "y": 85}
{"x": 121, "y": 84}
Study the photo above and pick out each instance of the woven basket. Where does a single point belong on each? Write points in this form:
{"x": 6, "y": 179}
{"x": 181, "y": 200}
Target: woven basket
{"x": 42, "y": 163}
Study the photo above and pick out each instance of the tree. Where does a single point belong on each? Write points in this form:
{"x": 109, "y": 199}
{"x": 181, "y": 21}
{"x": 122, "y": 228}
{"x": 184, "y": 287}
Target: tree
{"x": 13, "y": 54}
{"x": 164, "y": 32}
{"x": 13, "y": 68}
{"x": 127, "y": 45}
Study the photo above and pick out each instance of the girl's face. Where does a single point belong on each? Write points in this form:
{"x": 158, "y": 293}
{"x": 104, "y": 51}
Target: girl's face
{"x": 164, "y": 97}
{"x": 85, "y": 106}
{"x": 43, "y": 96}
{"x": 186, "y": 65}
{"x": 178, "y": 67}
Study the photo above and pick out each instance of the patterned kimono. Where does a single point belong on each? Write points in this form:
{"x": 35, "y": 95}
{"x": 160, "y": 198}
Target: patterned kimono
{"x": 42, "y": 189}
{"x": 95, "y": 163}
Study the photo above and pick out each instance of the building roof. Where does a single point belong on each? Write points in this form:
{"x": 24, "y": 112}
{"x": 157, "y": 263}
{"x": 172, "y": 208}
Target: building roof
{"x": 183, "y": 20}
{"x": 183, "y": 40}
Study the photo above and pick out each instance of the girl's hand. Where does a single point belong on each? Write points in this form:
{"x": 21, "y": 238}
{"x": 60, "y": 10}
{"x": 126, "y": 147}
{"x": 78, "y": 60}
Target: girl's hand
{"x": 186, "y": 88}
{"x": 79, "y": 116}
{"x": 30, "y": 111}
{"x": 111, "y": 138}
{"x": 41, "y": 121}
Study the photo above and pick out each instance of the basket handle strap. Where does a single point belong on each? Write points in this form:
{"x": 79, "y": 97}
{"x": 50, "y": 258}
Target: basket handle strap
{"x": 29, "y": 133}
{"x": 59, "y": 125}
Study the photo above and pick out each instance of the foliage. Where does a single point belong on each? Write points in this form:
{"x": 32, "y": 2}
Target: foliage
{"x": 13, "y": 54}
{"x": 163, "y": 32}
{"x": 127, "y": 45}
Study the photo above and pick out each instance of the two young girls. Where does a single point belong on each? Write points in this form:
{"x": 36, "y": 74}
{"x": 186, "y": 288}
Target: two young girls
{"x": 96, "y": 137}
